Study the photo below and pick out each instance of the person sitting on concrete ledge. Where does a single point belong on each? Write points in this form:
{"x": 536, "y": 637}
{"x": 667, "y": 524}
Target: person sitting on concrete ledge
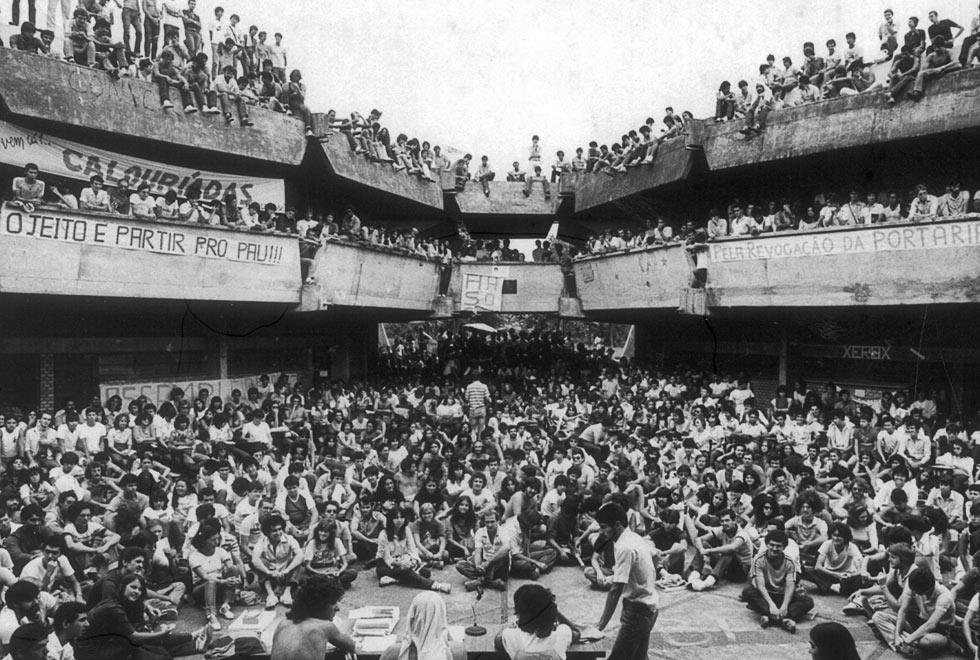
{"x": 936, "y": 64}
{"x": 26, "y": 39}
{"x": 229, "y": 93}
{"x": 559, "y": 167}
{"x": 485, "y": 175}
{"x": 516, "y": 174}
{"x": 461, "y": 171}
{"x": 537, "y": 176}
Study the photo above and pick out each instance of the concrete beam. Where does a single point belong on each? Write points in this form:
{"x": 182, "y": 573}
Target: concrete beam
{"x": 506, "y": 198}
{"x": 897, "y": 264}
{"x": 363, "y": 276}
{"x": 510, "y": 288}
{"x": 642, "y": 278}
{"x": 54, "y": 252}
{"x": 355, "y": 167}
{"x": 881, "y": 265}
{"x": 673, "y": 162}
{"x": 51, "y": 90}
{"x": 950, "y": 105}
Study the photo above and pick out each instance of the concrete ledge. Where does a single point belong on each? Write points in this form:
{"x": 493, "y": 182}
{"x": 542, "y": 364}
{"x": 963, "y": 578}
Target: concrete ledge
{"x": 892, "y": 264}
{"x": 355, "y": 167}
{"x": 506, "y": 198}
{"x": 54, "y": 252}
{"x": 952, "y": 103}
{"x": 511, "y": 288}
{"x": 673, "y": 163}
{"x": 350, "y": 275}
{"x": 52, "y": 90}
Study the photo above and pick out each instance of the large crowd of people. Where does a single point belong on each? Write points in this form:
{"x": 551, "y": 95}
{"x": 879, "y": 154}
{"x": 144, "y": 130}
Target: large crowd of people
{"x": 824, "y": 211}
{"x": 216, "y": 65}
{"x": 922, "y": 56}
{"x": 506, "y": 456}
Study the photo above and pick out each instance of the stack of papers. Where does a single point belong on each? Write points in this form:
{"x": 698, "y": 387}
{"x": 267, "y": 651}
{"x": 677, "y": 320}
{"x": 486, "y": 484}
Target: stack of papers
{"x": 375, "y": 644}
{"x": 374, "y": 621}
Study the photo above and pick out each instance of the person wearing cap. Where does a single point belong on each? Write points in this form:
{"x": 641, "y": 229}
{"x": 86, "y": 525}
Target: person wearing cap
{"x": 26, "y": 41}
{"x": 94, "y": 197}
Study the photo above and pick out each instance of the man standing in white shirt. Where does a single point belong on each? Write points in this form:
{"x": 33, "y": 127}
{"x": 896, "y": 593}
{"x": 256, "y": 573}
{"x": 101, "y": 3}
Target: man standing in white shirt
{"x": 216, "y": 31}
{"x": 634, "y": 578}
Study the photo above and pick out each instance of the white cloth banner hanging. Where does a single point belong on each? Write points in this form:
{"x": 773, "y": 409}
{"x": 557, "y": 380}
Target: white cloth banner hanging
{"x": 64, "y": 158}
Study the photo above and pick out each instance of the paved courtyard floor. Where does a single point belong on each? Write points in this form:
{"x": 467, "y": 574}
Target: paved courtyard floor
{"x": 712, "y": 625}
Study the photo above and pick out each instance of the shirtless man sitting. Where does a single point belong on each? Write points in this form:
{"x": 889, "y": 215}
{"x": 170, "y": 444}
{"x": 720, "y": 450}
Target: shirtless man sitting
{"x": 305, "y": 632}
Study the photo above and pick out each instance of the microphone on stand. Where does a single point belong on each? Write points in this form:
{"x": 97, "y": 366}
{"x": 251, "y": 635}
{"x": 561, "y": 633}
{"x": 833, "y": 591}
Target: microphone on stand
{"x": 476, "y": 630}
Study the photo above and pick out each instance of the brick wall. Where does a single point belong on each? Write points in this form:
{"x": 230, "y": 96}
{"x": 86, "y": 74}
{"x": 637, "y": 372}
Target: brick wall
{"x": 46, "y": 381}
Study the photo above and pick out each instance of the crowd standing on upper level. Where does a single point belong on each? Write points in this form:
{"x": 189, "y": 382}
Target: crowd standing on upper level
{"x": 216, "y": 67}
{"x": 493, "y": 455}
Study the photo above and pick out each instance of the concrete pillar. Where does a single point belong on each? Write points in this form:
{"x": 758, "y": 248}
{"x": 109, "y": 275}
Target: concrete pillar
{"x": 783, "y": 355}
{"x": 46, "y": 381}
{"x": 222, "y": 357}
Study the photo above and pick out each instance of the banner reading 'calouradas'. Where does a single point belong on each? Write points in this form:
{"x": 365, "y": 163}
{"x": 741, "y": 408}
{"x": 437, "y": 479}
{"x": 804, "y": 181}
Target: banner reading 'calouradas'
{"x": 65, "y": 158}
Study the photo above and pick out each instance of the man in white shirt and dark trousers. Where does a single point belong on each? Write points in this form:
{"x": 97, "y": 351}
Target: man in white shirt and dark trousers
{"x": 634, "y": 578}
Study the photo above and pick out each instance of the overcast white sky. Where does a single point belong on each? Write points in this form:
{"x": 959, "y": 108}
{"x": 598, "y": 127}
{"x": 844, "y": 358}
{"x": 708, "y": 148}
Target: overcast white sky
{"x": 484, "y": 76}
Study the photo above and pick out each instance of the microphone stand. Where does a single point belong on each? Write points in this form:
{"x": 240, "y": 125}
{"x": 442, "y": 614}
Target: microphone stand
{"x": 476, "y": 630}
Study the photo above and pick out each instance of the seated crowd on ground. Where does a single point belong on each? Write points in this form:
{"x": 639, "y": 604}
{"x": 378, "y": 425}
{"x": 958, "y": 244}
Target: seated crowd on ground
{"x": 140, "y": 508}
{"x": 217, "y": 67}
{"x": 923, "y": 55}
{"x": 826, "y": 210}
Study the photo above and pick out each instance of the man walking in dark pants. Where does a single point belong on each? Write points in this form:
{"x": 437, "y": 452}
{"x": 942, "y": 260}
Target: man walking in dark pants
{"x": 634, "y": 578}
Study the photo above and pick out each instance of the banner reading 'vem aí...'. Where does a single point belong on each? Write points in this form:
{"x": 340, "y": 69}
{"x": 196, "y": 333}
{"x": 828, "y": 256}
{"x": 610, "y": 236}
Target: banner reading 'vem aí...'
{"x": 72, "y": 160}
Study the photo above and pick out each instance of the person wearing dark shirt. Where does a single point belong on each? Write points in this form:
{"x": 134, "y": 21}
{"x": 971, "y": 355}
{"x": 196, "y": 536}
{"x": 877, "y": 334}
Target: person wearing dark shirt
{"x": 915, "y": 37}
{"x": 26, "y": 40}
{"x": 670, "y": 541}
{"x": 24, "y": 543}
{"x": 943, "y": 28}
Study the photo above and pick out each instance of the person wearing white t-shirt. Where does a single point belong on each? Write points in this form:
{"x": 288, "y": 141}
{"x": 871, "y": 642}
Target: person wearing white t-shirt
{"x": 541, "y": 629}
{"x": 142, "y": 205}
{"x": 92, "y": 433}
{"x": 258, "y": 430}
{"x": 51, "y": 571}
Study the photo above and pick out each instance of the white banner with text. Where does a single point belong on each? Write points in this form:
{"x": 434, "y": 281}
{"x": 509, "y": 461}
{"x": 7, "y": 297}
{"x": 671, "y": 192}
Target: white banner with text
{"x": 176, "y": 240}
{"x": 160, "y": 392}
{"x": 964, "y": 232}
{"x": 72, "y": 160}
{"x": 481, "y": 293}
